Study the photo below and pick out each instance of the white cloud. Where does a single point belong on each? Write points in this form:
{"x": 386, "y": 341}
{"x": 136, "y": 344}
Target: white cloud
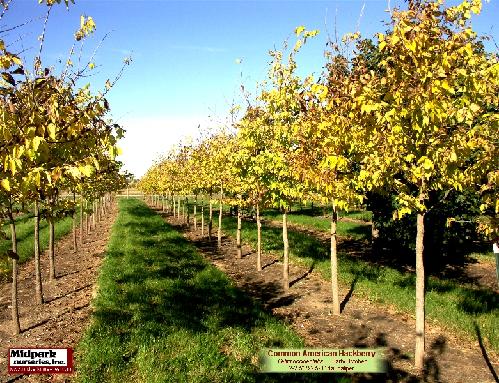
{"x": 148, "y": 138}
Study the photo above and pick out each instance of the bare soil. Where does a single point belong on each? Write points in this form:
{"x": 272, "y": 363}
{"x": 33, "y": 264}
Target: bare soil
{"x": 62, "y": 319}
{"x": 362, "y": 323}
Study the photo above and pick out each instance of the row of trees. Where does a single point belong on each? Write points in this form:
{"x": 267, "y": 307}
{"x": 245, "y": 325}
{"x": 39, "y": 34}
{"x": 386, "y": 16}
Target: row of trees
{"x": 412, "y": 114}
{"x": 55, "y": 140}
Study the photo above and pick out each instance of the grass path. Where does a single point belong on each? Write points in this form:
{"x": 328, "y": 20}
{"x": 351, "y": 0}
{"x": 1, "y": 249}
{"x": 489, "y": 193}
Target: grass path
{"x": 163, "y": 314}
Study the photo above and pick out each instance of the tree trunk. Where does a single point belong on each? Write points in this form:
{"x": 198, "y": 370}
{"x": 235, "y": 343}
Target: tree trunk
{"x": 16, "y": 326}
{"x": 127, "y": 193}
{"x": 210, "y": 223}
{"x": 285, "y": 273}
{"x": 173, "y": 205}
{"x": 75, "y": 245}
{"x": 38, "y": 271}
{"x": 334, "y": 262}
{"x": 202, "y": 220}
{"x": 51, "y": 249}
{"x": 220, "y": 212}
{"x": 178, "y": 208}
{"x": 259, "y": 239}
{"x": 81, "y": 220}
{"x": 94, "y": 218}
{"x": 420, "y": 295}
{"x": 195, "y": 214}
{"x": 238, "y": 236}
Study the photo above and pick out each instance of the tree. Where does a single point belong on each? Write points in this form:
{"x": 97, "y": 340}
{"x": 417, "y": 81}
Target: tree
{"x": 426, "y": 118}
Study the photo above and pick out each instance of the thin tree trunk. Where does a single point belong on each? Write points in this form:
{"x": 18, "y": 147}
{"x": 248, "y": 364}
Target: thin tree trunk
{"x": 89, "y": 217}
{"x": 195, "y": 214}
{"x": 210, "y": 223}
{"x": 16, "y": 326}
{"x": 178, "y": 208}
{"x": 238, "y": 240}
{"x": 420, "y": 295}
{"x": 94, "y": 218}
{"x": 75, "y": 245}
{"x": 51, "y": 249}
{"x": 38, "y": 271}
{"x": 173, "y": 204}
{"x": 220, "y": 212}
{"x": 127, "y": 193}
{"x": 259, "y": 240}
{"x": 202, "y": 220}
{"x": 285, "y": 273}
{"x": 334, "y": 262}
{"x": 185, "y": 211}
{"x": 81, "y": 220}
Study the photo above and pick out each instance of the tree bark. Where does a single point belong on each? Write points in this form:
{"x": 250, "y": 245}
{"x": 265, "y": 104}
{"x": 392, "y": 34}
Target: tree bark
{"x": 210, "y": 223}
{"x": 238, "y": 236}
{"x": 334, "y": 262}
{"x": 195, "y": 214}
{"x": 220, "y": 212}
{"x": 38, "y": 271}
{"x": 16, "y": 326}
{"x": 202, "y": 220}
{"x": 94, "y": 218}
{"x": 285, "y": 273}
{"x": 420, "y": 295}
{"x": 81, "y": 220}
{"x": 75, "y": 245}
{"x": 259, "y": 239}
{"x": 51, "y": 249}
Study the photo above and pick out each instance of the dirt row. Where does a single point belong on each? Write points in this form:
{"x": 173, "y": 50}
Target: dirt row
{"x": 306, "y": 307}
{"x": 61, "y": 320}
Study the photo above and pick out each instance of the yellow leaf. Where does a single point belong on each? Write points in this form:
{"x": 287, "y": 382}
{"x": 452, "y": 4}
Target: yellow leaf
{"x": 51, "y": 128}
{"x": 5, "y": 184}
{"x": 427, "y": 164}
{"x": 299, "y": 30}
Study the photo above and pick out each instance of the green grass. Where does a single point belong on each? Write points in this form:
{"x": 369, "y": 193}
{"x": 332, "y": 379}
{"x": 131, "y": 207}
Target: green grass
{"x": 455, "y": 306}
{"x": 344, "y": 228}
{"x": 25, "y": 229}
{"x": 163, "y": 314}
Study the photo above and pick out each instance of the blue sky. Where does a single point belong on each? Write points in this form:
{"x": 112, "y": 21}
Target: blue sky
{"x": 184, "y": 70}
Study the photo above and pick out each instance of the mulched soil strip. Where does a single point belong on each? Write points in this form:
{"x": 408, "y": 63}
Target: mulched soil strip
{"x": 306, "y": 307}
{"x": 59, "y": 322}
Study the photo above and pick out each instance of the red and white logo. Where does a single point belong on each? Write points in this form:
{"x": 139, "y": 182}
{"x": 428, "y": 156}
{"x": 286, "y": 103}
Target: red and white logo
{"x": 40, "y": 360}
